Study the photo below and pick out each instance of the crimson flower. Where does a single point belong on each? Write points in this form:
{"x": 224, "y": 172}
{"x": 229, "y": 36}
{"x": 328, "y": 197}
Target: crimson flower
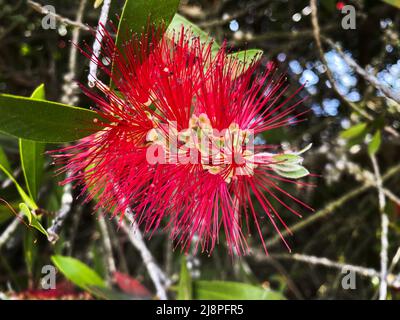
{"x": 177, "y": 141}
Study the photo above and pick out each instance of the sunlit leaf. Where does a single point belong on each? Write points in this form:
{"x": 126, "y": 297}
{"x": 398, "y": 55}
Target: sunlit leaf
{"x": 78, "y": 273}
{"x": 44, "y": 121}
{"x": 395, "y": 3}
{"x": 375, "y": 143}
{"x": 32, "y": 219}
{"x": 97, "y": 3}
{"x": 354, "y": 131}
{"x": 247, "y": 57}
{"x": 224, "y": 290}
{"x": 32, "y": 158}
{"x": 176, "y": 26}
{"x": 295, "y": 172}
{"x": 185, "y": 288}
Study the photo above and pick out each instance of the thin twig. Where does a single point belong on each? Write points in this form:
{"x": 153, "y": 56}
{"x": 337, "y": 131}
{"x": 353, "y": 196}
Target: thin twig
{"x": 363, "y": 73}
{"x": 42, "y": 10}
{"x": 332, "y": 206}
{"x": 92, "y": 77}
{"x": 229, "y": 17}
{"x": 331, "y": 79}
{"x": 70, "y": 89}
{"x": 361, "y": 174}
{"x": 105, "y": 236}
{"x": 384, "y": 230}
{"x": 363, "y": 271}
{"x": 62, "y": 213}
{"x": 158, "y": 277}
{"x": 69, "y": 97}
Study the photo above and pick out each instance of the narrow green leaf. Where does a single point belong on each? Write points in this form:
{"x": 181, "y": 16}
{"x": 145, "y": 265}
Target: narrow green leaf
{"x": 39, "y": 93}
{"x": 224, "y": 290}
{"x": 31, "y": 153}
{"x": 185, "y": 288}
{"x": 44, "y": 121}
{"x": 78, "y": 273}
{"x": 305, "y": 149}
{"x": 395, "y": 3}
{"x": 32, "y": 161}
{"x": 30, "y": 251}
{"x": 176, "y": 25}
{"x": 4, "y": 160}
{"x": 32, "y": 219}
{"x": 354, "y": 131}
{"x": 21, "y": 191}
{"x": 375, "y": 143}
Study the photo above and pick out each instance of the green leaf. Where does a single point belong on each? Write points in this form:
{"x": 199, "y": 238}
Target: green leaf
{"x": 224, "y": 290}
{"x": 137, "y": 14}
{"x": 97, "y": 3}
{"x": 78, "y": 273}
{"x": 375, "y": 143}
{"x": 185, "y": 288}
{"x": 176, "y": 25}
{"x": 288, "y": 158}
{"x": 305, "y": 149}
{"x": 395, "y": 3}
{"x": 21, "y": 191}
{"x": 4, "y": 160}
{"x": 33, "y": 220}
{"x": 44, "y": 121}
{"x": 288, "y": 165}
{"x": 354, "y": 131}
{"x": 247, "y": 56}
{"x": 295, "y": 172}
{"x": 30, "y": 251}
{"x": 31, "y": 153}
{"x": 32, "y": 161}
{"x": 108, "y": 294}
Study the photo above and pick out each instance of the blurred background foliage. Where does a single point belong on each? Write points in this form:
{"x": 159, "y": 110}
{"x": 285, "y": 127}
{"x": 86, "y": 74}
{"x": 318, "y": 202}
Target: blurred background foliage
{"x": 349, "y": 127}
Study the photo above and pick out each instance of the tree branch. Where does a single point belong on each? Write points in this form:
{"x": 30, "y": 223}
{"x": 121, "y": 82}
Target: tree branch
{"x": 42, "y": 10}
{"x": 332, "y": 206}
{"x": 384, "y": 230}
{"x": 158, "y": 277}
{"x": 92, "y": 77}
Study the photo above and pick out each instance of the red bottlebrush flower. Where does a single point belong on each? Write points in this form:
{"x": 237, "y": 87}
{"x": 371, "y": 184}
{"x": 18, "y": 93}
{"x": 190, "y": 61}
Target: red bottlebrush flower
{"x": 177, "y": 143}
